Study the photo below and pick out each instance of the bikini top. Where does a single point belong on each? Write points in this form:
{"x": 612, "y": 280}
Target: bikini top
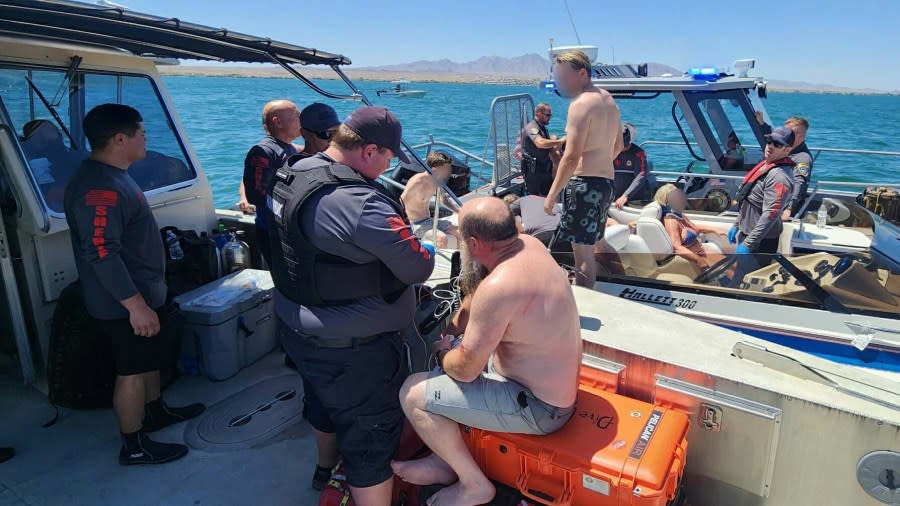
{"x": 688, "y": 235}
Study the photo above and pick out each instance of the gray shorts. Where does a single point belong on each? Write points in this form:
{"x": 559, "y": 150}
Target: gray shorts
{"x": 493, "y": 403}
{"x": 422, "y": 227}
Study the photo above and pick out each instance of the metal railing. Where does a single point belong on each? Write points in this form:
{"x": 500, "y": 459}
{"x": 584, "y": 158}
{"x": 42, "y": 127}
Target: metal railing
{"x": 816, "y": 150}
{"x": 467, "y": 156}
{"x": 853, "y": 152}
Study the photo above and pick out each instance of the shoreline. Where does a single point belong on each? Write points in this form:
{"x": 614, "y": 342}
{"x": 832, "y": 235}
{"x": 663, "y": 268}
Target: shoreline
{"x": 364, "y": 74}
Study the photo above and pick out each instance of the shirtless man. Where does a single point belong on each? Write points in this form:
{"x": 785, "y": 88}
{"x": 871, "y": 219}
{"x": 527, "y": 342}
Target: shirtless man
{"x": 418, "y": 193}
{"x": 586, "y": 173}
{"x": 526, "y": 333}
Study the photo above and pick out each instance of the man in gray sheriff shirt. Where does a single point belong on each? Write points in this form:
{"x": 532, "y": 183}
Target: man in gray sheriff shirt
{"x": 344, "y": 261}
{"x": 762, "y": 196}
{"x": 121, "y": 264}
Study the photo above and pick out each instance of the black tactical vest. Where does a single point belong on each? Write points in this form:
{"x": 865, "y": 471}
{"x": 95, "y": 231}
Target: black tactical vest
{"x": 302, "y": 272}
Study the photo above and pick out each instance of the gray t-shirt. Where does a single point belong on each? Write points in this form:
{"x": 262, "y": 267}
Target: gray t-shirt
{"x": 118, "y": 248}
{"x": 760, "y": 214}
{"x": 358, "y": 223}
{"x": 536, "y": 222}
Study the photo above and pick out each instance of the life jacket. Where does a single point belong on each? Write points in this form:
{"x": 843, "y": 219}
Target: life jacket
{"x": 305, "y": 274}
{"x": 756, "y": 174}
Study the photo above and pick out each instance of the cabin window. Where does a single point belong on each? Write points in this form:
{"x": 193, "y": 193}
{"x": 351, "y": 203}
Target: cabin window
{"x": 47, "y": 107}
{"x": 725, "y": 119}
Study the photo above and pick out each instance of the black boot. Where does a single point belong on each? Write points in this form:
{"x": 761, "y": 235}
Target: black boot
{"x": 158, "y": 415}
{"x": 139, "y": 449}
{"x": 6, "y": 454}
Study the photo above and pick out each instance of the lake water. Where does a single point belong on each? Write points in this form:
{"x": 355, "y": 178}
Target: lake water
{"x": 222, "y": 119}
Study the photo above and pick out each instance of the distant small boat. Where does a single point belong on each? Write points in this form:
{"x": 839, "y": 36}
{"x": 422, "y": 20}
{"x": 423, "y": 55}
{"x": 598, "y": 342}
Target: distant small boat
{"x": 400, "y": 89}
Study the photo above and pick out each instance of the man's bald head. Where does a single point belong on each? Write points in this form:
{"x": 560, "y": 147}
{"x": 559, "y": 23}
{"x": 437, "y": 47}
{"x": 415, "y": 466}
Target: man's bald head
{"x": 281, "y": 119}
{"x": 487, "y": 219}
{"x": 274, "y": 108}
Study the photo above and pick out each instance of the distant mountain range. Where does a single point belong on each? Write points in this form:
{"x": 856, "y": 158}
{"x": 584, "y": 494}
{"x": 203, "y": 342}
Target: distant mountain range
{"x": 529, "y": 65}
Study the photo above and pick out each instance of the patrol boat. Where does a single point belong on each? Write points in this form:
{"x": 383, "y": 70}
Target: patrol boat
{"x": 400, "y": 89}
{"x": 808, "y": 431}
{"x": 833, "y": 289}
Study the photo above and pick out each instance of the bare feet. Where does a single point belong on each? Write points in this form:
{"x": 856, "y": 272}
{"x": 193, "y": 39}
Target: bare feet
{"x": 430, "y": 470}
{"x": 459, "y": 495}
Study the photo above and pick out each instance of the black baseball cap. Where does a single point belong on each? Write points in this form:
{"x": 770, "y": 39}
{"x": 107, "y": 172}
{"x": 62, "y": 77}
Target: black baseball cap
{"x": 783, "y": 135}
{"x": 378, "y": 126}
{"x": 318, "y": 117}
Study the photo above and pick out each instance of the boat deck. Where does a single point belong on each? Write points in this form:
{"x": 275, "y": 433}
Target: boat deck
{"x": 75, "y": 461}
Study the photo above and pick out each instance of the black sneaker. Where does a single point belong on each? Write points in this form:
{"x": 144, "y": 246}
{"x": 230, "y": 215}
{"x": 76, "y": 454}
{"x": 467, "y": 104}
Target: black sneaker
{"x": 147, "y": 451}
{"x": 157, "y": 415}
{"x": 6, "y": 454}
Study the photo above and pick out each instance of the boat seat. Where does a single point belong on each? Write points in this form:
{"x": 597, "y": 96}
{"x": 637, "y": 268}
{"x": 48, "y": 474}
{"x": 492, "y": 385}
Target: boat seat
{"x": 716, "y": 243}
{"x": 712, "y": 248}
{"x": 624, "y": 216}
{"x": 617, "y": 236}
{"x": 650, "y": 228}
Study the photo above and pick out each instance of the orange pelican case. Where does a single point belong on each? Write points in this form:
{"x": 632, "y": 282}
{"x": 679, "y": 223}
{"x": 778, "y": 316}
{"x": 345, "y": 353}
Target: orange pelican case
{"x": 614, "y": 451}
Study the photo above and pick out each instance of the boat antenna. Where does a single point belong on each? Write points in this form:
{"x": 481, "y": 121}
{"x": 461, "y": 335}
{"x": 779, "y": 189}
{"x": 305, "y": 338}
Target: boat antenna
{"x": 572, "y": 20}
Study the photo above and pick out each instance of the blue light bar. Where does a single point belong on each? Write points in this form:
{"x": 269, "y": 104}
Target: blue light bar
{"x": 548, "y": 86}
{"x": 704, "y": 73}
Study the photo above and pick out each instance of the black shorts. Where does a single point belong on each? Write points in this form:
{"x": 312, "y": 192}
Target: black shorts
{"x": 136, "y": 354}
{"x": 355, "y": 393}
{"x": 586, "y": 202}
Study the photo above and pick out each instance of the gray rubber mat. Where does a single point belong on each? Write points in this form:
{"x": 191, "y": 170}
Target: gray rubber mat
{"x": 250, "y": 417}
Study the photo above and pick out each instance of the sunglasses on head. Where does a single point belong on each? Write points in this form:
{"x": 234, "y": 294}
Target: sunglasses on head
{"x": 776, "y": 143}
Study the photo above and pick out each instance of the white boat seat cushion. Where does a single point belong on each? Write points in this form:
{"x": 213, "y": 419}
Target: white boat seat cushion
{"x": 654, "y": 234}
{"x": 652, "y": 210}
{"x": 624, "y": 215}
{"x": 712, "y": 248}
{"x": 617, "y": 236}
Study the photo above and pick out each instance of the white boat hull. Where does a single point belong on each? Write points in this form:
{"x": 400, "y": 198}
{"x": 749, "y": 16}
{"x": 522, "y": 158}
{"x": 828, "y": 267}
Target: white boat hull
{"x": 403, "y": 94}
{"x": 826, "y": 333}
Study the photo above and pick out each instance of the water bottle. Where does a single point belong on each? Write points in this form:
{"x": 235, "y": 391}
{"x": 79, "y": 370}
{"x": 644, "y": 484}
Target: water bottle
{"x": 175, "y": 251}
{"x": 236, "y": 254}
{"x": 821, "y": 216}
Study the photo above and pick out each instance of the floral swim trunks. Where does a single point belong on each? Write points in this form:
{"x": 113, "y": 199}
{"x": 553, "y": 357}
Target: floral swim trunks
{"x": 586, "y": 201}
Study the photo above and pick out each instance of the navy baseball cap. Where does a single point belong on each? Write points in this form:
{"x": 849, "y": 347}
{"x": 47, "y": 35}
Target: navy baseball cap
{"x": 782, "y": 134}
{"x": 318, "y": 117}
{"x": 378, "y": 126}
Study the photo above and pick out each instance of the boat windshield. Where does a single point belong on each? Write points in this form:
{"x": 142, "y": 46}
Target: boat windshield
{"x": 46, "y": 108}
{"x": 727, "y": 121}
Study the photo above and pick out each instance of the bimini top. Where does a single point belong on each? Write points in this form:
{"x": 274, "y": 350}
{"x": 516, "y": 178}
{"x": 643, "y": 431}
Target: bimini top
{"x": 146, "y": 35}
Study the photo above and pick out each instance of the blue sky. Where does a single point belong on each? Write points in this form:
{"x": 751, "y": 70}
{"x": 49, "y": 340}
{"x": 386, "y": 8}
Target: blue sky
{"x": 854, "y": 44}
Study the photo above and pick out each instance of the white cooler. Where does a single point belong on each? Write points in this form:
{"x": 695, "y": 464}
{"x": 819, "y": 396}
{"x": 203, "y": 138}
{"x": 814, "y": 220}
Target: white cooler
{"x": 229, "y": 323}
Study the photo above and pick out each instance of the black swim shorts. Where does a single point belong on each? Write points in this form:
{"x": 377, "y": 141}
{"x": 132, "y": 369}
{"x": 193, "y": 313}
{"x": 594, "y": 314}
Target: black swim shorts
{"x": 137, "y": 354}
{"x": 586, "y": 201}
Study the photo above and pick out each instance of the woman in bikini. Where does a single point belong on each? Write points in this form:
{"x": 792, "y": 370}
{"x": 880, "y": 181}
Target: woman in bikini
{"x": 684, "y": 234}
